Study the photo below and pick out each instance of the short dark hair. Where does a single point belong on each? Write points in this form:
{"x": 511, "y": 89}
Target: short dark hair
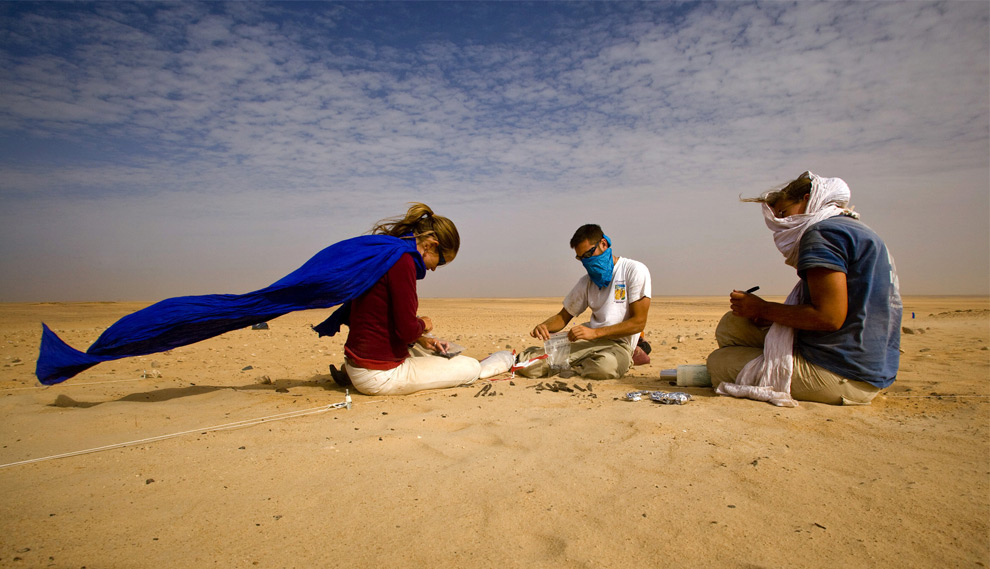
{"x": 588, "y": 232}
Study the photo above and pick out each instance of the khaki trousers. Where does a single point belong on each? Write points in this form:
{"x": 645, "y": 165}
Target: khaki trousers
{"x": 592, "y": 359}
{"x": 740, "y": 341}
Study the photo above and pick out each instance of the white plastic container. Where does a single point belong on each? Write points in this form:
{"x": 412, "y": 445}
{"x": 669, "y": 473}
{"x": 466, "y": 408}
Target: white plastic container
{"x": 694, "y": 375}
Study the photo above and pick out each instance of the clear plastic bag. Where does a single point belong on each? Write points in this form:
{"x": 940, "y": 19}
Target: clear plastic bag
{"x": 558, "y": 349}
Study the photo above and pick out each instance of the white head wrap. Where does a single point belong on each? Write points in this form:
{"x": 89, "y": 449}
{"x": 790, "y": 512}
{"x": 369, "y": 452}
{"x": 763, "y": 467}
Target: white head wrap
{"x": 768, "y": 377}
{"x": 829, "y": 198}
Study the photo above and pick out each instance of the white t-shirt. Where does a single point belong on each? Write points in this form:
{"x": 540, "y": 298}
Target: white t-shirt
{"x": 610, "y": 305}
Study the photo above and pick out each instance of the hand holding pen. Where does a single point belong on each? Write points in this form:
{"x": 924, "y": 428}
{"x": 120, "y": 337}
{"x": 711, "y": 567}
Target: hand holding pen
{"x": 746, "y": 304}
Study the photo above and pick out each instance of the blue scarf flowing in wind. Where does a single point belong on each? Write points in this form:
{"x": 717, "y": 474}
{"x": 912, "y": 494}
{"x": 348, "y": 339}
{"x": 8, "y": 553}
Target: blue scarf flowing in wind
{"x": 335, "y": 275}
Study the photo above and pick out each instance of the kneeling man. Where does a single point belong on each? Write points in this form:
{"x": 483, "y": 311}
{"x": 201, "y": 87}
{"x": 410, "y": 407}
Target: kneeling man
{"x": 618, "y": 292}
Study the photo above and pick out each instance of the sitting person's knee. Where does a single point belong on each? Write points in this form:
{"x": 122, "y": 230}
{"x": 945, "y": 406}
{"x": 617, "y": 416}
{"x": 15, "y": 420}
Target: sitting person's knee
{"x": 724, "y": 335}
{"x": 735, "y": 330}
{"x": 718, "y": 367}
{"x": 470, "y": 367}
{"x": 603, "y": 365}
{"x": 724, "y": 364}
{"x": 599, "y": 374}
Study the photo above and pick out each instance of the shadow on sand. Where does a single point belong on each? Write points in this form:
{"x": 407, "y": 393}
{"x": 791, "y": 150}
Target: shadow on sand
{"x": 324, "y": 382}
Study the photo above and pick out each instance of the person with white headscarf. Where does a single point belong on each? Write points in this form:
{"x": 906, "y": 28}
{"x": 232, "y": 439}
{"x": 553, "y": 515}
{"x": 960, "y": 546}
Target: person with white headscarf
{"x": 836, "y": 339}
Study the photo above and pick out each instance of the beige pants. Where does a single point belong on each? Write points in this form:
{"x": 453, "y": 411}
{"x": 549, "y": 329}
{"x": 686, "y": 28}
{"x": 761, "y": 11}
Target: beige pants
{"x": 422, "y": 370}
{"x": 593, "y": 359}
{"x": 740, "y": 341}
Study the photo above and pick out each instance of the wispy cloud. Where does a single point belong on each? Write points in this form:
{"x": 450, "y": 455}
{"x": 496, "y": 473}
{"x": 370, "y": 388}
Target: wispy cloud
{"x": 632, "y": 113}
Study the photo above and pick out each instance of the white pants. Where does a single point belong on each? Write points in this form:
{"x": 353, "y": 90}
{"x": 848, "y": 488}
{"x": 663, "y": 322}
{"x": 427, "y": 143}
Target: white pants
{"x": 422, "y": 370}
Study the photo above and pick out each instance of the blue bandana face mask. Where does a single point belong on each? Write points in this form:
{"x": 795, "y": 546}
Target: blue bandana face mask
{"x": 600, "y": 266}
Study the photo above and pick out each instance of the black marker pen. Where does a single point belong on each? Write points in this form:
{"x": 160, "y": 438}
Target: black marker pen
{"x": 752, "y": 290}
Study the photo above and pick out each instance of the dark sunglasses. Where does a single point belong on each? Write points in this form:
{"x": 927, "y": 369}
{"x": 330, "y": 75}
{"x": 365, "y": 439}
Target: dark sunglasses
{"x": 589, "y": 253}
{"x": 442, "y": 261}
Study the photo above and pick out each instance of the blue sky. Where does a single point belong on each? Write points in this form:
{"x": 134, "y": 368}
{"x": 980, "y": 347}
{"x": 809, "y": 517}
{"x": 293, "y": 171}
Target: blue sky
{"x": 151, "y": 150}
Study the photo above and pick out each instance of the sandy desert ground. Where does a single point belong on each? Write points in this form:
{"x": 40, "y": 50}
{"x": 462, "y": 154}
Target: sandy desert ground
{"x": 517, "y": 477}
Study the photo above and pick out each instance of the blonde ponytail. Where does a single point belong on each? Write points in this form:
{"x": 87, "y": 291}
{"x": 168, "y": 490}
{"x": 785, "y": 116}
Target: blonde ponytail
{"x": 420, "y": 222}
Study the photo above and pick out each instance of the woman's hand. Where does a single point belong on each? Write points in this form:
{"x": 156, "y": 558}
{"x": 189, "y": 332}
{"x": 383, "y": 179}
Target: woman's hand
{"x": 435, "y": 344}
{"x": 427, "y": 323}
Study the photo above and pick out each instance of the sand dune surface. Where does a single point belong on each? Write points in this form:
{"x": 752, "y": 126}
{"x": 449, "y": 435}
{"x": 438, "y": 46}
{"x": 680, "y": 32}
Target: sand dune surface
{"x": 235, "y": 460}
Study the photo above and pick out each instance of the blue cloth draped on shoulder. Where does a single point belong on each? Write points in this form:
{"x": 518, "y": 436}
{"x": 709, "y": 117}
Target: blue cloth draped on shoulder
{"x": 335, "y": 275}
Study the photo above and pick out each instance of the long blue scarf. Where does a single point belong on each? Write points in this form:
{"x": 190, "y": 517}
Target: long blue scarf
{"x": 335, "y": 275}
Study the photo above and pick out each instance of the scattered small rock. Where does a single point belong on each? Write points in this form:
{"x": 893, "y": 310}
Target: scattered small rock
{"x": 260, "y": 326}
{"x": 246, "y": 368}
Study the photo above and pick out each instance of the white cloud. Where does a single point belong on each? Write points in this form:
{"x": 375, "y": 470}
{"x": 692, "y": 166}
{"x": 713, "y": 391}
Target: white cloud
{"x": 650, "y": 116}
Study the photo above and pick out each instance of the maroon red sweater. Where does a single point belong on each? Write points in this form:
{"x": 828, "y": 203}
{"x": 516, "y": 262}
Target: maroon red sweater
{"x": 383, "y": 320}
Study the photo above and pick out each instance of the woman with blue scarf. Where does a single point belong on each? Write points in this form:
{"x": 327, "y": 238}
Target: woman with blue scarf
{"x": 373, "y": 278}
{"x": 617, "y": 290}
{"x": 384, "y": 327}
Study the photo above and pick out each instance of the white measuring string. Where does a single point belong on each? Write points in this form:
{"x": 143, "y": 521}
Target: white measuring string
{"x": 234, "y": 425}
